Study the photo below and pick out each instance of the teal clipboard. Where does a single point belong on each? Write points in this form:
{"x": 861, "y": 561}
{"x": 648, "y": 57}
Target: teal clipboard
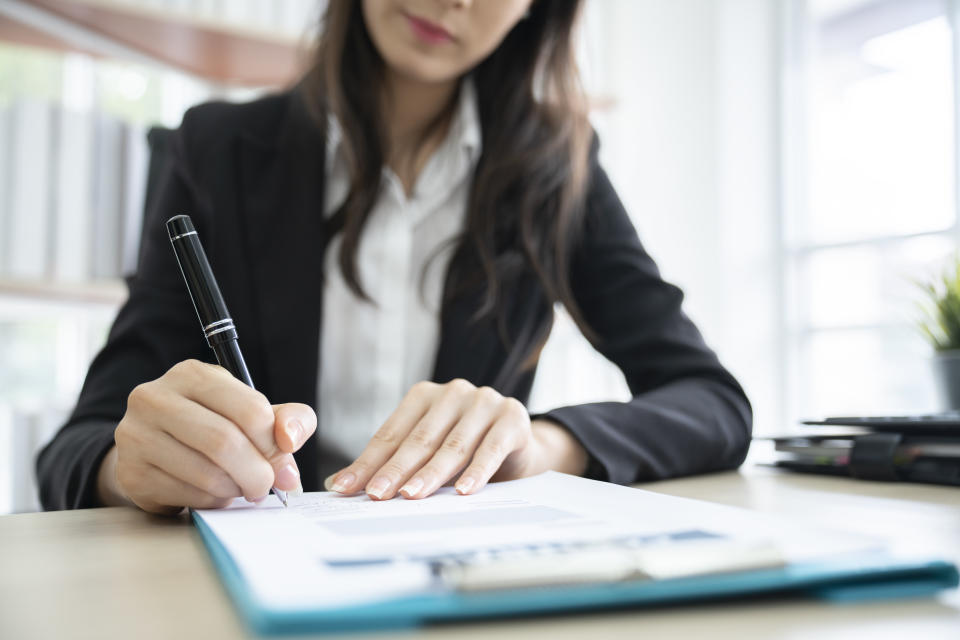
{"x": 853, "y": 578}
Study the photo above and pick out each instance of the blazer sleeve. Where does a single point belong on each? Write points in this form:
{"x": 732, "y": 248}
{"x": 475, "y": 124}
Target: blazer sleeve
{"x": 687, "y": 414}
{"x": 154, "y": 329}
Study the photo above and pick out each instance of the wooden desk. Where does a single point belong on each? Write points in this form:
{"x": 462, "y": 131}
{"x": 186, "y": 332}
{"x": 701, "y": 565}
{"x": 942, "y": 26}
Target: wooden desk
{"x": 119, "y": 573}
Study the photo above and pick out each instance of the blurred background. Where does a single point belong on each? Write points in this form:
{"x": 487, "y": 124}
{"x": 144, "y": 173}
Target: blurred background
{"x": 791, "y": 164}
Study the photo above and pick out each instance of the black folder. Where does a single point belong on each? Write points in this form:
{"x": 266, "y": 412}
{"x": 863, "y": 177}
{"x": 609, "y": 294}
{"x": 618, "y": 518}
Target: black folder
{"x": 895, "y": 448}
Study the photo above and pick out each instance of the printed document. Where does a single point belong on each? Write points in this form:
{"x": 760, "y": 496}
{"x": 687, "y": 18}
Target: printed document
{"x": 327, "y": 550}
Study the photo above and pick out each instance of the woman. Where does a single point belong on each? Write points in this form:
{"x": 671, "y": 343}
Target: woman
{"x": 412, "y": 211}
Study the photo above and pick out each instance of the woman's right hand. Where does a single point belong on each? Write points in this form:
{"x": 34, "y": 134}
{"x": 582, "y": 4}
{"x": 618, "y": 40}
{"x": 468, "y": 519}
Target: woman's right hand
{"x": 198, "y": 437}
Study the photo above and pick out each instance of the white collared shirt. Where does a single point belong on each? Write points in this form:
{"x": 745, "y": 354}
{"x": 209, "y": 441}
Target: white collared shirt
{"x": 371, "y": 354}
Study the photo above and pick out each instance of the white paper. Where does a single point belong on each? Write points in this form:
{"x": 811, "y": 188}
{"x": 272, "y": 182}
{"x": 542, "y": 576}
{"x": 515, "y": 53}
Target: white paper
{"x": 328, "y": 550}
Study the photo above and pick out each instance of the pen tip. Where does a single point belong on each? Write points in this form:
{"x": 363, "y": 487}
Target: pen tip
{"x": 282, "y": 495}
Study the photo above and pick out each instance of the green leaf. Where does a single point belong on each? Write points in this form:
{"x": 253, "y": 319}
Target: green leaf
{"x": 939, "y": 320}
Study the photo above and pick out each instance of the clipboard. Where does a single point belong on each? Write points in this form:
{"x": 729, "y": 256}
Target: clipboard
{"x": 866, "y": 573}
{"x": 857, "y": 578}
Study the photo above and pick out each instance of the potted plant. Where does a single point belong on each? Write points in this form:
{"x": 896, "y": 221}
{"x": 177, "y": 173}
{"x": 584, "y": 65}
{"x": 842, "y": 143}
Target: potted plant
{"x": 941, "y": 326}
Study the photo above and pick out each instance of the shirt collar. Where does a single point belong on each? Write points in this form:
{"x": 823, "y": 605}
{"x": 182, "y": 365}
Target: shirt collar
{"x": 466, "y": 122}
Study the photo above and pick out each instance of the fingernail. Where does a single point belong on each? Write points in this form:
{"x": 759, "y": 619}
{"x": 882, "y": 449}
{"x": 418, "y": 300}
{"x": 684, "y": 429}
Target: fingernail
{"x": 294, "y": 430}
{"x": 343, "y": 482}
{"x": 378, "y": 487}
{"x": 464, "y": 485}
{"x": 412, "y": 488}
{"x": 296, "y": 493}
{"x": 288, "y": 477}
{"x": 328, "y": 483}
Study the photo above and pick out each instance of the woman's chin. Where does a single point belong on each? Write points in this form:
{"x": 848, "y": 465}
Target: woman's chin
{"x": 426, "y": 67}
{"x": 425, "y": 71}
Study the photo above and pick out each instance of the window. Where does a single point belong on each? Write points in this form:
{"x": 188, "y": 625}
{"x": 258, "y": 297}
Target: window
{"x": 870, "y": 200}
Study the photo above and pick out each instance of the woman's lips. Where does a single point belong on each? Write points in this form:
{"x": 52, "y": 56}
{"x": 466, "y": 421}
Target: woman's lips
{"x": 428, "y": 31}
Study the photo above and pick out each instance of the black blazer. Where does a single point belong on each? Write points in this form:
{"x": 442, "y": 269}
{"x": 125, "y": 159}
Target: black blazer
{"x": 251, "y": 176}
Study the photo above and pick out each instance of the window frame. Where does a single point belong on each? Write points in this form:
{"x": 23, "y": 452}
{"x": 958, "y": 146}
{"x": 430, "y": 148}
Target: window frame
{"x": 794, "y": 331}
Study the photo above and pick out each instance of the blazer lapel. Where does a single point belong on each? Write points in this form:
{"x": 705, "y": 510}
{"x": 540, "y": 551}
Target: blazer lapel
{"x": 282, "y": 207}
{"x": 467, "y": 349}
{"x": 474, "y": 349}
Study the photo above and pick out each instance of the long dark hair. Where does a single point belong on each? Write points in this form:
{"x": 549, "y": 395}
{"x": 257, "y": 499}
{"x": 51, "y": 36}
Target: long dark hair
{"x": 527, "y": 196}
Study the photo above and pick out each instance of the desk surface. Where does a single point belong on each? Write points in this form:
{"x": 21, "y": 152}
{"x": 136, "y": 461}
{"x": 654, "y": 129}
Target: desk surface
{"x": 120, "y": 573}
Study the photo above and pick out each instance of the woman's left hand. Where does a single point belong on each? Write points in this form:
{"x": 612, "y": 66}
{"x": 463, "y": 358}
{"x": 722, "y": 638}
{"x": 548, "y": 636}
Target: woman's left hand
{"x": 440, "y": 429}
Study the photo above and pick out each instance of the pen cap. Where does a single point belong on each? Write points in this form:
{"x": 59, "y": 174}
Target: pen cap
{"x": 206, "y": 296}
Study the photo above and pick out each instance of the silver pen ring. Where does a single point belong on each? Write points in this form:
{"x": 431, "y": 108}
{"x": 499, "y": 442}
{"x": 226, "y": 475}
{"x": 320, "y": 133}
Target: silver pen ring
{"x": 218, "y": 322}
{"x": 229, "y": 327}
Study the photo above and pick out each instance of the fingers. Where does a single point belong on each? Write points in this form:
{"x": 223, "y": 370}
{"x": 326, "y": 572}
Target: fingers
{"x": 420, "y": 444}
{"x": 457, "y": 448}
{"x": 501, "y": 440}
{"x": 216, "y": 389}
{"x": 274, "y": 431}
{"x": 200, "y": 430}
{"x": 287, "y": 474}
{"x": 293, "y": 425}
{"x": 192, "y": 467}
{"x": 204, "y": 431}
{"x": 435, "y": 432}
{"x": 157, "y": 491}
{"x": 387, "y": 439}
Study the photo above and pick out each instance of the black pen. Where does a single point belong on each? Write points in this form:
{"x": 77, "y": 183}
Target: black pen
{"x": 211, "y": 309}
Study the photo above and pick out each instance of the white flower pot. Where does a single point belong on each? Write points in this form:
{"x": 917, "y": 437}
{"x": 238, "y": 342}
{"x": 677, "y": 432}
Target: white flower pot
{"x": 947, "y": 370}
